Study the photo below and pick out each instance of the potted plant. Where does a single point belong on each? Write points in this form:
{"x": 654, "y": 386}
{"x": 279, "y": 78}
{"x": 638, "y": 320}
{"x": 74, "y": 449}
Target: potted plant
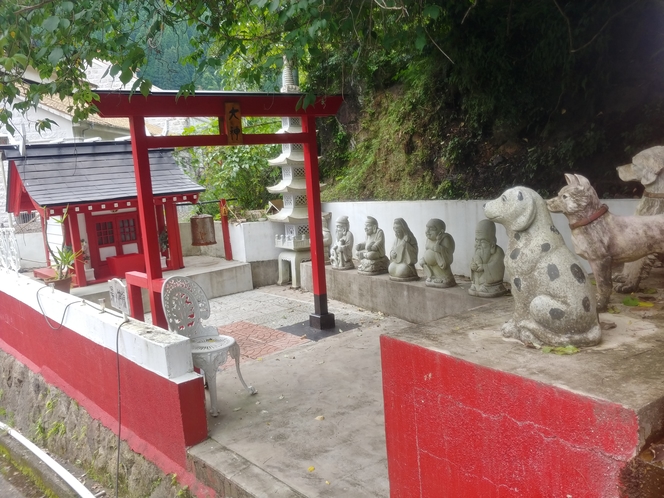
{"x": 63, "y": 259}
{"x": 63, "y": 264}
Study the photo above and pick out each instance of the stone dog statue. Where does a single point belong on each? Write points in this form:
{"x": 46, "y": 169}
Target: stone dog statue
{"x": 602, "y": 238}
{"x": 554, "y": 302}
{"x": 646, "y": 167}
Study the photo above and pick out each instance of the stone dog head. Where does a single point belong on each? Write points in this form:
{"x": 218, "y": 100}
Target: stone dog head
{"x": 516, "y": 209}
{"x": 575, "y": 197}
{"x": 645, "y": 168}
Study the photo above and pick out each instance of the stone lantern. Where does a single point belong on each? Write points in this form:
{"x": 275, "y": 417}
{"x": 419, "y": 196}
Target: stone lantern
{"x": 292, "y": 188}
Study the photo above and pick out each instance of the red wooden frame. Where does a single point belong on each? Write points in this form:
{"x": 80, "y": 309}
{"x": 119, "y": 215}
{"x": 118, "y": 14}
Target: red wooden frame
{"x": 213, "y": 104}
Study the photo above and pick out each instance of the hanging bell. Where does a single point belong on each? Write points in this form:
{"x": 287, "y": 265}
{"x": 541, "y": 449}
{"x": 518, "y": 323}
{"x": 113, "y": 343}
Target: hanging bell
{"x": 202, "y": 230}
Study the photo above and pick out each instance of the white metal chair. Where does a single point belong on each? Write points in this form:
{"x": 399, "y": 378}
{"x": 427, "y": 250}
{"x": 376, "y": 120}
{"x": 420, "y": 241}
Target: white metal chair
{"x": 186, "y": 305}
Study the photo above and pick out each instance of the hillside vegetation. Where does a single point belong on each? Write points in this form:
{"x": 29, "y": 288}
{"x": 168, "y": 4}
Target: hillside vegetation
{"x": 520, "y": 105}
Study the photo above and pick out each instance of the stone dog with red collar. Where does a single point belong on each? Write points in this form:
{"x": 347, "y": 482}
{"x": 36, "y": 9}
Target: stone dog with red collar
{"x": 602, "y": 238}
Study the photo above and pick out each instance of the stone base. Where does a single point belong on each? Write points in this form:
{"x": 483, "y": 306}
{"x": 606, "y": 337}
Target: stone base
{"x": 412, "y": 301}
{"x": 473, "y": 414}
{"x": 442, "y": 285}
{"x": 322, "y": 322}
{"x": 405, "y": 279}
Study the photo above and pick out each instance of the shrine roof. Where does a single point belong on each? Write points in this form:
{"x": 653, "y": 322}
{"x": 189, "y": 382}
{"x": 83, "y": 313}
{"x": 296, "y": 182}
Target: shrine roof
{"x": 74, "y": 173}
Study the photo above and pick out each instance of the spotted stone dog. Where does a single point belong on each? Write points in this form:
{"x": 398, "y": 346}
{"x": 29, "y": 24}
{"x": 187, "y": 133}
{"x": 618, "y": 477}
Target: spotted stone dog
{"x": 646, "y": 167}
{"x": 554, "y": 303}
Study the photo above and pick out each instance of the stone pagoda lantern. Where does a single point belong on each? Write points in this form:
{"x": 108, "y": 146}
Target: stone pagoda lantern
{"x": 292, "y": 187}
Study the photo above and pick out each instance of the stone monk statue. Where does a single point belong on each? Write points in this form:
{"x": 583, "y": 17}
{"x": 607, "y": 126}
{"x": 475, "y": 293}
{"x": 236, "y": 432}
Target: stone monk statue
{"x": 487, "y": 268}
{"x": 438, "y": 255}
{"x": 403, "y": 255}
{"x": 341, "y": 252}
{"x": 371, "y": 252}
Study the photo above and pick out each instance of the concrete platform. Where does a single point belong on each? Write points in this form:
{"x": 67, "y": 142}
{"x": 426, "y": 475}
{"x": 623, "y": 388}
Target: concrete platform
{"x": 216, "y": 276}
{"x": 316, "y": 427}
{"x": 478, "y": 415}
{"x": 411, "y": 301}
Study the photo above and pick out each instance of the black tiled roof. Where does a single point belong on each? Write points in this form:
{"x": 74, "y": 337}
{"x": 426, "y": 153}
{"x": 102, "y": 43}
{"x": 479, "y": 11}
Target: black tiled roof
{"x": 60, "y": 174}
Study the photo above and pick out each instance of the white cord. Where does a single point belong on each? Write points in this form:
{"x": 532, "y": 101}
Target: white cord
{"x": 74, "y": 483}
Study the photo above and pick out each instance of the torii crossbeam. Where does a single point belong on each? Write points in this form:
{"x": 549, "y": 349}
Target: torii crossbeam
{"x": 224, "y": 106}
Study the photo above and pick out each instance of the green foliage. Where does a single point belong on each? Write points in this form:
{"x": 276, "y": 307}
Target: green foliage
{"x": 540, "y": 71}
{"x": 560, "y": 350}
{"x": 238, "y": 173}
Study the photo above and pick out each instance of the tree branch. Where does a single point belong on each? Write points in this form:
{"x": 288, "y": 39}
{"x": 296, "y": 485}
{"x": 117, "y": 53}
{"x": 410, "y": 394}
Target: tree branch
{"x": 569, "y": 26}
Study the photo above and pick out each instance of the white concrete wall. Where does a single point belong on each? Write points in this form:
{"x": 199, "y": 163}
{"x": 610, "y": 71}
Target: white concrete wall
{"x": 461, "y": 218}
{"x": 31, "y": 249}
{"x": 254, "y": 241}
{"x": 250, "y": 241}
{"x": 159, "y": 351}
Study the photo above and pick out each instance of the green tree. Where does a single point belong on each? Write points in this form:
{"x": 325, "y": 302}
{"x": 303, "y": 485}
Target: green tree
{"x": 239, "y": 173}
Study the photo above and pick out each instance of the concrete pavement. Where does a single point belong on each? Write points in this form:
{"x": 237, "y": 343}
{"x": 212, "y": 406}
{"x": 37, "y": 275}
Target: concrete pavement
{"x": 316, "y": 427}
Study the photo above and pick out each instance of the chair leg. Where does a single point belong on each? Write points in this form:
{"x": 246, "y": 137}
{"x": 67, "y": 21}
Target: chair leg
{"x": 211, "y": 379}
{"x": 235, "y": 354}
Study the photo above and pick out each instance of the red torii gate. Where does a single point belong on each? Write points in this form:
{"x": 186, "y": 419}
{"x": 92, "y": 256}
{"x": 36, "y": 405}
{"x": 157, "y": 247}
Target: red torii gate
{"x": 225, "y": 106}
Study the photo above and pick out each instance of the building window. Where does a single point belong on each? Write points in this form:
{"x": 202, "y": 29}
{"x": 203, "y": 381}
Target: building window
{"x": 127, "y": 230}
{"x": 105, "y": 234}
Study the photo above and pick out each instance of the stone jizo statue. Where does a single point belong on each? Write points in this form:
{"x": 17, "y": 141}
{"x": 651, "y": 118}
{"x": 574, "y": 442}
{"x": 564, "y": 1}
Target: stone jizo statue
{"x": 341, "y": 252}
{"x": 403, "y": 255}
{"x": 438, "y": 255}
{"x": 371, "y": 252}
{"x": 487, "y": 268}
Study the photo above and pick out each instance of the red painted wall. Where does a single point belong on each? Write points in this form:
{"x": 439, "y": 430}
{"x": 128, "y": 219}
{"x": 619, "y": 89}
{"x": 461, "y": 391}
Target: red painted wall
{"x": 160, "y": 418}
{"x": 456, "y": 429}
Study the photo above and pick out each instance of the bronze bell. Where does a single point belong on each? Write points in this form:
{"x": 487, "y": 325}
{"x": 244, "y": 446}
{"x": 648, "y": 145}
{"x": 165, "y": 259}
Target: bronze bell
{"x": 202, "y": 230}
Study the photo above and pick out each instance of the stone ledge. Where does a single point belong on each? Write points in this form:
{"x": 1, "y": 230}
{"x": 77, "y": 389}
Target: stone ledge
{"x": 411, "y": 301}
{"x": 572, "y": 424}
{"x": 239, "y": 479}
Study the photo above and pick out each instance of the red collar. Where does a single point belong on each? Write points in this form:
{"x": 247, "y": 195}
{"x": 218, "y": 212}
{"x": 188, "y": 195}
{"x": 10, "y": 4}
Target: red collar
{"x": 587, "y": 221}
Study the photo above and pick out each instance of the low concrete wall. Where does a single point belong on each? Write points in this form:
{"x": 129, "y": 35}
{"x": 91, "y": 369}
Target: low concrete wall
{"x": 264, "y": 272}
{"x": 411, "y": 301}
{"x": 254, "y": 241}
{"x": 73, "y": 346}
{"x": 468, "y": 413}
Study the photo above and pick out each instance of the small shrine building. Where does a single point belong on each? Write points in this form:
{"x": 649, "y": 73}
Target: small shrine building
{"x": 95, "y": 186}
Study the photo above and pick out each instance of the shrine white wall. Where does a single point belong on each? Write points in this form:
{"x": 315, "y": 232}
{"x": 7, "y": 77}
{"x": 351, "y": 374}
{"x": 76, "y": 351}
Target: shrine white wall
{"x": 461, "y": 218}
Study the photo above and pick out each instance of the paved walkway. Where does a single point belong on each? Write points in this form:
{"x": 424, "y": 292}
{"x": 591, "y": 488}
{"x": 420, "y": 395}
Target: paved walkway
{"x": 315, "y": 428}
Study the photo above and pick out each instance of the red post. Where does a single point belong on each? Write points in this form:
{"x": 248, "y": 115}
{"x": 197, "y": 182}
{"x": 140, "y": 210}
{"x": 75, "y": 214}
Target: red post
{"x": 75, "y": 236}
{"x": 146, "y": 215}
{"x": 223, "y": 209}
{"x": 320, "y": 319}
{"x": 176, "y": 260}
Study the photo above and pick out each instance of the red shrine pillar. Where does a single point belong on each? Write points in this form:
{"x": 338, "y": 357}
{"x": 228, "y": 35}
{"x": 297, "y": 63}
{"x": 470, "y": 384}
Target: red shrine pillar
{"x": 146, "y": 215}
{"x": 321, "y": 318}
{"x": 75, "y": 239}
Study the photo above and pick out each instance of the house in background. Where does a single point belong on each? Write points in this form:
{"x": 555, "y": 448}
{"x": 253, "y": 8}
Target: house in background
{"x": 65, "y": 130}
{"x": 94, "y": 184}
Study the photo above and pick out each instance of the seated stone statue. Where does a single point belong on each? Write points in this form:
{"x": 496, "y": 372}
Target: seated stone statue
{"x": 371, "y": 252}
{"x": 487, "y": 267}
{"x": 438, "y": 255}
{"x": 403, "y": 255}
{"x": 341, "y": 252}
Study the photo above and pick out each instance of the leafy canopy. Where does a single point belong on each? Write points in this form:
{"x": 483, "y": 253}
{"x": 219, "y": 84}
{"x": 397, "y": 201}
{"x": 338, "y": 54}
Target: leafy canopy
{"x": 244, "y": 41}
